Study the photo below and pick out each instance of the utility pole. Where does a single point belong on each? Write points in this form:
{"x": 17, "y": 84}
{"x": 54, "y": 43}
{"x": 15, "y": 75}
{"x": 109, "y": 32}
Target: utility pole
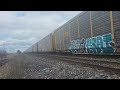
{"x": 13, "y": 50}
{"x": 3, "y": 46}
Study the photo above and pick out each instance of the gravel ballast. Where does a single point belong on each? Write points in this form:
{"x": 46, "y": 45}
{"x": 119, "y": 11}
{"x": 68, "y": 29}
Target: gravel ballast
{"x": 40, "y": 67}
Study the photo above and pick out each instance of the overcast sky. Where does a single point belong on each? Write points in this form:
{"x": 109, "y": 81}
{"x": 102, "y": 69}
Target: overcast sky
{"x": 21, "y": 29}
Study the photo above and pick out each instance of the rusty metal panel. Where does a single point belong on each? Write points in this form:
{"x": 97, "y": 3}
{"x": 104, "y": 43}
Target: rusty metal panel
{"x": 101, "y": 23}
{"x": 84, "y": 25}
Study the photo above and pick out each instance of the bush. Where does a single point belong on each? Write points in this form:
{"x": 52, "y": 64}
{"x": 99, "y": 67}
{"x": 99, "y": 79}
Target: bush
{"x": 19, "y": 52}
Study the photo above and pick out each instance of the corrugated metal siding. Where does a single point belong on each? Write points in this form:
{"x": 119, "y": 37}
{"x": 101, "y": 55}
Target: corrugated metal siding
{"x": 101, "y": 22}
{"x": 29, "y": 49}
{"x": 49, "y": 42}
{"x": 40, "y": 46}
{"x": 53, "y": 41}
{"x": 116, "y": 25}
{"x": 84, "y": 25}
{"x": 61, "y": 39}
{"x": 58, "y": 40}
{"x": 74, "y": 29}
{"x": 45, "y": 44}
{"x": 34, "y": 48}
{"x": 90, "y": 25}
{"x": 66, "y": 36}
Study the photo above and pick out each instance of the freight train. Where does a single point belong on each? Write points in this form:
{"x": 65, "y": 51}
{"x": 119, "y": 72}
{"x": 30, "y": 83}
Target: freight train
{"x": 90, "y": 32}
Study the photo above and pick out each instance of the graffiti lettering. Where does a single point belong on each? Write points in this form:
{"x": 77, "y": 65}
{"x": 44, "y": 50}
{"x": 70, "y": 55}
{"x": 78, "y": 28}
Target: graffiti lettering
{"x": 99, "y": 44}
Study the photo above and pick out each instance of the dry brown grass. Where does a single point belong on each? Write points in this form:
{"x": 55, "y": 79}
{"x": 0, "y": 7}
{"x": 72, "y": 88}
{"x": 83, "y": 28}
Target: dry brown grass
{"x": 14, "y": 69}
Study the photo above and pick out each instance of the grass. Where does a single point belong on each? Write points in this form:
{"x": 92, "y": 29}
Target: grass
{"x": 14, "y": 69}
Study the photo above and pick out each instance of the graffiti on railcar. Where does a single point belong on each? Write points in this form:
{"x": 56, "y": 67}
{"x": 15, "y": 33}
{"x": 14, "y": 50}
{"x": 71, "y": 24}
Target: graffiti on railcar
{"x": 98, "y": 44}
{"x": 78, "y": 46}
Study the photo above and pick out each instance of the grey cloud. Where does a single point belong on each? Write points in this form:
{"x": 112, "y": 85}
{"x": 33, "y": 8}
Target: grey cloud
{"x": 25, "y": 31}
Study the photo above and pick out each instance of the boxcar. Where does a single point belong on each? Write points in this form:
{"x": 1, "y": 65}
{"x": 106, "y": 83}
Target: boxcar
{"x": 34, "y": 48}
{"x": 45, "y": 45}
{"x": 89, "y": 32}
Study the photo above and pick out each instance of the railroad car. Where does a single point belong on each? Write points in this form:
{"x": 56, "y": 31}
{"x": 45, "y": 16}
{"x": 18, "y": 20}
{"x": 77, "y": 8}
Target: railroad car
{"x": 46, "y": 44}
{"x": 96, "y": 32}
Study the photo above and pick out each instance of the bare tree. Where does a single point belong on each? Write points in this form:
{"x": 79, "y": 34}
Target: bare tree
{"x": 3, "y": 54}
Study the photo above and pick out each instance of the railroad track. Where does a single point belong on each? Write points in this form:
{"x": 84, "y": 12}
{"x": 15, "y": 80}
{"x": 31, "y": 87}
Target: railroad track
{"x": 112, "y": 67}
{"x": 113, "y": 59}
{"x": 3, "y": 62}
